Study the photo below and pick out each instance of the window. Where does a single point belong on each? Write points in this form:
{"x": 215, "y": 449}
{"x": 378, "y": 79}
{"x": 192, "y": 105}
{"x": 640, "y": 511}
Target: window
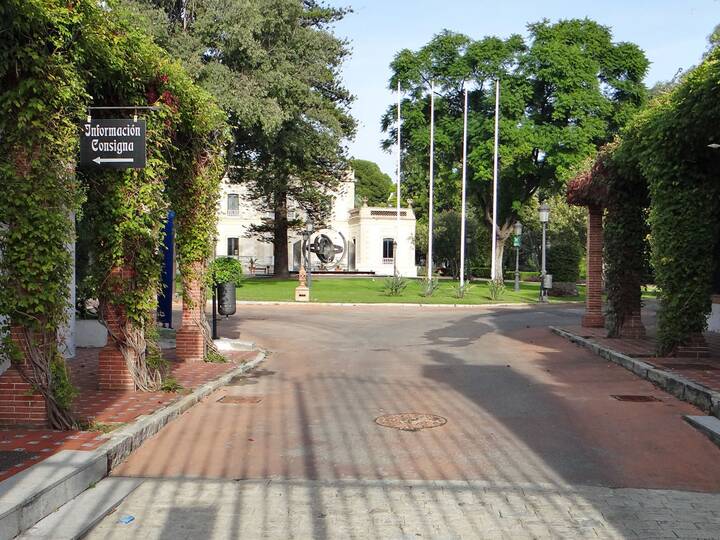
{"x": 388, "y": 250}
{"x": 233, "y": 247}
{"x": 233, "y": 204}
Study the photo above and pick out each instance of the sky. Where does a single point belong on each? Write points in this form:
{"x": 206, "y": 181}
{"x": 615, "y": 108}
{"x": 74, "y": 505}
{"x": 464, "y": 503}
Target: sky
{"x": 673, "y": 34}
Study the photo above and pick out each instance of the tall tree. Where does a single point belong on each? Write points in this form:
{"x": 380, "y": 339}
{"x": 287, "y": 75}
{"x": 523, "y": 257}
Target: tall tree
{"x": 371, "y": 183}
{"x": 564, "y": 92}
{"x": 273, "y": 65}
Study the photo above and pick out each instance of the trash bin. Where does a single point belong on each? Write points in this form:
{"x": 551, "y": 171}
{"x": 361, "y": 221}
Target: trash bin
{"x": 226, "y": 299}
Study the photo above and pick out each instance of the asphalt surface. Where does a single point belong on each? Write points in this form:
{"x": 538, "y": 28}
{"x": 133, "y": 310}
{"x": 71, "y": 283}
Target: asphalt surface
{"x": 534, "y": 445}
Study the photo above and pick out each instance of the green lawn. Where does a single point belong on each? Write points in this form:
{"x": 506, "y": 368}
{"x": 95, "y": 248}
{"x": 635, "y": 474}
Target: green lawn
{"x": 371, "y": 290}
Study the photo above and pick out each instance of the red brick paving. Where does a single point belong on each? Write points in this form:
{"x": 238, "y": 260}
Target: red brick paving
{"x": 112, "y": 406}
{"x": 106, "y": 406}
{"x": 645, "y": 349}
{"x": 44, "y": 442}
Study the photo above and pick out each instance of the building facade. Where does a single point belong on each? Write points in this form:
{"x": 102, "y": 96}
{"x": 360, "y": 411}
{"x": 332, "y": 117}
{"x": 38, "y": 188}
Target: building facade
{"x": 375, "y": 240}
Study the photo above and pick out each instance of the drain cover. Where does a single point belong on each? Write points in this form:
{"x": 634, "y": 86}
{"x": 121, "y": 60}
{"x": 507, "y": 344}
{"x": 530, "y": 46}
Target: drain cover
{"x": 410, "y": 421}
{"x": 240, "y": 399}
{"x": 701, "y": 367}
{"x": 636, "y": 399}
{"x": 10, "y": 458}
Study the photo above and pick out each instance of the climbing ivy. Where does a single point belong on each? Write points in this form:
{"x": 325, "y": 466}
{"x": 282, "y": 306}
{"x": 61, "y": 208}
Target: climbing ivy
{"x": 666, "y": 145}
{"x": 58, "y": 57}
{"x": 41, "y": 100}
{"x": 625, "y": 236}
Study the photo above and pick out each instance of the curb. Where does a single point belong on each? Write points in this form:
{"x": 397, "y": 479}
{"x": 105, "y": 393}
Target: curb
{"x": 125, "y": 440}
{"x": 45, "y": 497}
{"x": 707, "y": 425}
{"x": 680, "y": 387}
{"x": 399, "y": 304}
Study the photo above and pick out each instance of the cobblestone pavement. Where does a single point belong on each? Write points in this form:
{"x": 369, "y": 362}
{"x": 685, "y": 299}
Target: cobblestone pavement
{"x": 535, "y": 444}
{"x": 249, "y": 509}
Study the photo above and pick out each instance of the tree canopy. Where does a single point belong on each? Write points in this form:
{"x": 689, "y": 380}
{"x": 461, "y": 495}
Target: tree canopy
{"x": 273, "y": 65}
{"x": 371, "y": 183}
{"x": 565, "y": 91}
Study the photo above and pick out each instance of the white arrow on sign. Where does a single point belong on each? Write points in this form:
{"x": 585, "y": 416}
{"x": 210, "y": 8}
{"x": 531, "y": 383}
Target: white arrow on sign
{"x": 100, "y": 160}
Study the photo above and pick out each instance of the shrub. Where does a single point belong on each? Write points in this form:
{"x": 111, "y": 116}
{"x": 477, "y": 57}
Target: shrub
{"x": 225, "y": 270}
{"x": 395, "y": 285}
{"x": 496, "y": 289}
{"x": 563, "y": 262}
{"x": 462, "y": 290}
{"x": 429, "y": 286}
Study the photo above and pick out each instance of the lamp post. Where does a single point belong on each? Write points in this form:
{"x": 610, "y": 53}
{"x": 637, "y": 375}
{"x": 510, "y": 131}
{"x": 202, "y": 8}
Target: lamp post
{"x": 516, "y": 243}
{"x": 544, "y": 214}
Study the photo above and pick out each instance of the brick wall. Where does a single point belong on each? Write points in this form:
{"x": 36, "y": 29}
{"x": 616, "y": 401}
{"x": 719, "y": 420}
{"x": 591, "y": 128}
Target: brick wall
{"x": 593, "y": 317}
{"x": 20, "y": 404}
{"x": 190, "y": 341}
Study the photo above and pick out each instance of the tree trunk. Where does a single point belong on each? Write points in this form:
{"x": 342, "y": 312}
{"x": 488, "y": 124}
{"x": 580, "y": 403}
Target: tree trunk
{"x": 280, "y": 235}
{"x": 503, "y": 233}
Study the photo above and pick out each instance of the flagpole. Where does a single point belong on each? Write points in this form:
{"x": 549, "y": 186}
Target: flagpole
{"x": 464, "y": 177}
{"x": 397, "y": 193}
{"x": 493, "y": 272}
{"x": 432, "y": 172}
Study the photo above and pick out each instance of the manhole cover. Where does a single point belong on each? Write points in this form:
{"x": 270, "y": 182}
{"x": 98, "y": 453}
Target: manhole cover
{"x": 701, "y": 367}
{"x": 636, "y": 399}
{"x": 410, "y": 421}
{"x": 10, "y": 458}
{"x": 240, "y": 399}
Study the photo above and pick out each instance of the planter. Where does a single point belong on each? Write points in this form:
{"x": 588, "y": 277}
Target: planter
{"x": 226, "y": 299}
{"x": 563, "y": 288}
{"x": 90, "y": 333}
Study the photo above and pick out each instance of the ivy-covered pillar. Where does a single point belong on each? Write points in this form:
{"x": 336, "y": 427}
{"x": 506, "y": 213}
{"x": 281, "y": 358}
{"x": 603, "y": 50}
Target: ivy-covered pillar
{"x": 113, "y": 372}
{"x": 190, "y": 339}
{"x": 593, "y": 317}
{"x": 20, "y": 403}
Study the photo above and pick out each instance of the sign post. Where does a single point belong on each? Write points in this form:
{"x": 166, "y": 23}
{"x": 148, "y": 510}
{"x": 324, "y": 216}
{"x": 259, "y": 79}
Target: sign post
{"x": 113, "y": 143}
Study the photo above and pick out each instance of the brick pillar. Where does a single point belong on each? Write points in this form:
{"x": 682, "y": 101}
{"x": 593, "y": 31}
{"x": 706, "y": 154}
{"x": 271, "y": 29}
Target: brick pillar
{"x": 593, "y": 317}
{"x": 190, "y": 342}
{"x": 695, "y": 347}
{"x": 20, "y": 404}
{"x": 633, "y": 327}
{"x": 113, "y": 373}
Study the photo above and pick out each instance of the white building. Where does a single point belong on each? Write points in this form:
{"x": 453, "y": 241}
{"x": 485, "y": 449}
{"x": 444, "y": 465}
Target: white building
{"x": 369, "y": 232}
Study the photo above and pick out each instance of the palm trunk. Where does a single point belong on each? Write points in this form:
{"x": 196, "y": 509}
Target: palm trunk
{"x": 280, "y": 235}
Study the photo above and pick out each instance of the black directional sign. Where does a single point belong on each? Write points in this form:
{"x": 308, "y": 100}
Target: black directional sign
{"x": 114, "y": 143}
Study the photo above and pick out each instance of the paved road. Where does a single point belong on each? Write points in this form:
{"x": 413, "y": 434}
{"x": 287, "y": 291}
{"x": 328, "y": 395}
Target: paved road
{"x": 534, "y": 444}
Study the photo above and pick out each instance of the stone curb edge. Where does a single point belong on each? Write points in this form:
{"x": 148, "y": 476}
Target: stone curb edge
{"x": 680, "y": 387}
{"x": 126, "y": 440}
{"x": 709, "y": 432}
{"x": 102, "y": 460}
{"x": 399, "y": 304}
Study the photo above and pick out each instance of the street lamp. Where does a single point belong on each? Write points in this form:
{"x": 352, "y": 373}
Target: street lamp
{"x": 714, "y": 146}
{"x": 516, "y": 243}
{"x": 544, "y": 214}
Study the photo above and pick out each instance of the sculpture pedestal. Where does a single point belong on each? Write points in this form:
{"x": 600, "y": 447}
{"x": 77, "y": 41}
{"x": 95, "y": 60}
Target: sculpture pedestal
{"x": 302, "y": 294}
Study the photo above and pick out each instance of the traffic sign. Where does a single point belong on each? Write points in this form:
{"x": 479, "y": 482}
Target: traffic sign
{"x": 113, "y": 143}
